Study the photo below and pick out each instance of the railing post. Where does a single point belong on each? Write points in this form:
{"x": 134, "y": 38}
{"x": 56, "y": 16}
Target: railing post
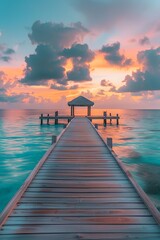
{"x": 54, "y": 139}
{"x": 117, "y": 120}
{"x": 56, "y": 117}
{"x": 48, "y": 119}
{"x": 110, "y": 118}
{"x": 109, "y": 142}
{"x": 104, "y": 118}
{"x": 41, "y": 118}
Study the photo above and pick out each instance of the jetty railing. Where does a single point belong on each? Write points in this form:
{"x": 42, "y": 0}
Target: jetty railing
{"x": 56, "y": 117}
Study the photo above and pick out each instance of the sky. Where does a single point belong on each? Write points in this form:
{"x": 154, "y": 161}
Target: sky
{"x": 54, "y": 51}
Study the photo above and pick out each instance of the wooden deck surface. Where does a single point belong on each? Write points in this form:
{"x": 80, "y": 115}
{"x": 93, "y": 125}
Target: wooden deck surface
{"x": 80, "y": 192}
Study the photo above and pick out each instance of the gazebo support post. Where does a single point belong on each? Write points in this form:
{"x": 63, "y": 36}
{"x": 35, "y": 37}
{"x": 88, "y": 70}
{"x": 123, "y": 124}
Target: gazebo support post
{"x": 89, "y": 111}
{"x": 72, "y": 111}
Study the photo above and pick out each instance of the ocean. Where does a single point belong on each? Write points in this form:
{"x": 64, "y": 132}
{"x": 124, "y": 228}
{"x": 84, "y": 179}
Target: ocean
{"x": 23, "y": 141}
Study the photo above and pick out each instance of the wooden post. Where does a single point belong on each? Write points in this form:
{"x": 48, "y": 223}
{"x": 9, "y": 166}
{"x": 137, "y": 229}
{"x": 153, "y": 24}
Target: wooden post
{"x": 48, "y": 119}
{"x": 104, "y": 120}
{"x": 117, "y": 120}
{"x": 72, "y": 111}
{"x": 110, "y": 118}
{"x": 54, "y": 139}
{"x": 89, "y": 111}
{"x": 41, "y": 118}
{"x": 56, "y": 117}
{"x": 109, "y": 142}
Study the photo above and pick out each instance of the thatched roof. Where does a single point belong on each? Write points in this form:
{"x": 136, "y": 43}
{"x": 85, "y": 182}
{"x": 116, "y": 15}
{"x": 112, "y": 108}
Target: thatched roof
{"x": 80, "y": 101}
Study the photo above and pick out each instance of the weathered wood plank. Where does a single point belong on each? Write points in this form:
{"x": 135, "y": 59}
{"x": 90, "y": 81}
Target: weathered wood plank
{"x": 80, "y": 220}
{"x": 81, "y": 200}
{"x": 84, "y": 236}
{"x": 41, "y": 194}
{"x": 81, "y": 190}
{"x": 49, "y": 177}
{"x": 81, "y": 212}
{"x": 80, "y": 174}
{"x": 69, "y": 228}
{"x": 80, "y": 205}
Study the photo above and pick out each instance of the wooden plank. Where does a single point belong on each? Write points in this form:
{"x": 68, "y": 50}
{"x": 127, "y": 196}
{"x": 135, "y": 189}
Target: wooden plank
{"x": 78, "y": 178}
{"x": 79, "y": 174}
{"x": 84, "y": 236}
{"x": 80, "y": 220}
{"x": 81, "y": 205}
{"x": 80, "y": 184}
{"x": 81, "y": 190}
{"x": 81, "y": 200}
{"x": 80, "y": 212}
{"x": 42, "y": 194}
{"x": 67, "y": 228}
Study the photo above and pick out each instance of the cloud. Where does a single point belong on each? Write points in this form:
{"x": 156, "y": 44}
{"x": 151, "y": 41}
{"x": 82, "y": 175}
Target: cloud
{"x": 107, "y": 83}
{"x": 63, "y": 88}
{"x": 5, "y": 58}
{"x": 81, "y": 55}
{"x": 108, "y": 14}
{"x": 132, "y": 40}
{"x": 58, "y": 87}
{"x": 9, "y": 51}
{"x": 144, "y": 41}
{"x": 74, "y": 87}
{"x": 5, "y": 82}
{"x": 57, "y": 35}
{"x": 87, "y": 94}
{"x": 5, "y": 91}
{"x": 79, "y": 74}
{"x": 4, "y": 97}
{"x": 147, "y": 78}
{"x": 5, "y": 53}
{"x": 79, "y": 52}
{"x": 101, "y": 92}
{"x": 113, "y": 56}
{"x": 42, "y": 66}
{"x": 55, "y": 44}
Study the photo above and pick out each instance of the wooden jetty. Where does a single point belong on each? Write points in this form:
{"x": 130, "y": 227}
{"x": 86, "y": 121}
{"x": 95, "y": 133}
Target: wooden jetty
{"x": 80, "y": 190}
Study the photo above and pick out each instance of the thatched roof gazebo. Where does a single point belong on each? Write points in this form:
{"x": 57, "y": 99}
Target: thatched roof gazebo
{"x": 81, "y": 102}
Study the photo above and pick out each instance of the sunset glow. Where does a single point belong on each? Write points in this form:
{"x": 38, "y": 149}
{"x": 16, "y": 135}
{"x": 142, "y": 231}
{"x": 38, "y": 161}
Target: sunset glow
{"x": 51, "y": 52}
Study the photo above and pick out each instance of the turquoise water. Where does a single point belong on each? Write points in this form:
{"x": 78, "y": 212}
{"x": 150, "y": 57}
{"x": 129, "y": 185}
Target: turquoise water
{"x": 23, "y": 142}
{"x": 137, "y": 143}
